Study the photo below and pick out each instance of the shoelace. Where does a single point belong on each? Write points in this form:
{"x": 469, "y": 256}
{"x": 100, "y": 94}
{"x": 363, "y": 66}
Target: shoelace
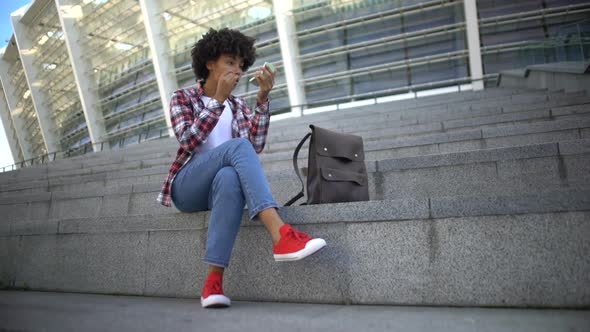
{"x": 299, "y": 236}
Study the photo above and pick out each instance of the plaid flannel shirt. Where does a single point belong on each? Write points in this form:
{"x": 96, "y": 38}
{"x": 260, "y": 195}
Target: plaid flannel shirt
{"x": 192, "y": 121}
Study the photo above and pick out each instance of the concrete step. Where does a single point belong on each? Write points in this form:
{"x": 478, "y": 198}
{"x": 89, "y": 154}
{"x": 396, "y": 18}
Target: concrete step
{"x": 491, "y": 133}
{"x": 64, "y": 166}
{"x": 454, "y": 118}
{"x": 571, "y": 99}
{"x": 359, "y": 117}
{"x": 505, "y": 171}
{"x": 474, "y": 250}
{"x": 394, "y": 119}
{"x": 439, "y": 102}
{"x": 460, "y": 139}
{"x": 67, "y": 312}
{"x": 380, "y": 120}
{"x": 451, "y": 221}
{"x": 567, "y": 162}
{"x": 506, "y": 105}
{"x": 386, "y": 128}
{"x": 409, "y": 137}
{"x": 568, "y": 76}
{"x": 484, "y": 135}
{"x": 415, "y": 145}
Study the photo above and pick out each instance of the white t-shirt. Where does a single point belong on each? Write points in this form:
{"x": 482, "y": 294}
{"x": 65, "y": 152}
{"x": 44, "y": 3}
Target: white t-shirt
{"x": 222, "y": 131}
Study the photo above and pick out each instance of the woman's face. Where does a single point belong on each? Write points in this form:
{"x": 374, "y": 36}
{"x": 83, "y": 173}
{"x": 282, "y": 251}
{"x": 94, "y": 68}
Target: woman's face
{"x": 225, "y": 63}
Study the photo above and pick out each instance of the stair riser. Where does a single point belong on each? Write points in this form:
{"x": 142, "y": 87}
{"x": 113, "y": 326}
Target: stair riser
{"x": 504, "y": 177}
{"x": 157, "y": 174}
{"x": 136, "y": 161}
{"x": 521, "y": 260}
{"x": 453, "y": 141}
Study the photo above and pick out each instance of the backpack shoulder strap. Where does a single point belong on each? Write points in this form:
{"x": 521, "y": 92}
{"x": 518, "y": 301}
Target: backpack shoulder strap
{"x": 295, "y": 155}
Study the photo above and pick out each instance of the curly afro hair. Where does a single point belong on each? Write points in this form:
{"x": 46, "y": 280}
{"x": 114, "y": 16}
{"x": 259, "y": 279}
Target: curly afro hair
{"x": 215, "y": 43}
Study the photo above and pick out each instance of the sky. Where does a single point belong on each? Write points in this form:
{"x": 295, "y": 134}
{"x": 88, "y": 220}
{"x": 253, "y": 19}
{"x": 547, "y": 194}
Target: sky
{"x": 6, "y": 8}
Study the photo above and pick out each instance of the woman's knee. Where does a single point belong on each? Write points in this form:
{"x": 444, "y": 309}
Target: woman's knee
{"x": 227, "y": 179}
{"x": 241, "y": 144}
{"x": 226, "y": 189}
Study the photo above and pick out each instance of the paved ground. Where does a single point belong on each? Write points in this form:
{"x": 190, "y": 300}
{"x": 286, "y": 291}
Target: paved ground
{"x": 41, "y": 311}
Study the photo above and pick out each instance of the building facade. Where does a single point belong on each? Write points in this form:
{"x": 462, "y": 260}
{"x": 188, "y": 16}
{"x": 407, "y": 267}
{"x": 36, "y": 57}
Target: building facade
{"x": 88, "y": 75}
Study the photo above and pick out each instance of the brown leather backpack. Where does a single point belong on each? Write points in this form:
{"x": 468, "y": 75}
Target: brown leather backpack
{"x": 336, "y": 168}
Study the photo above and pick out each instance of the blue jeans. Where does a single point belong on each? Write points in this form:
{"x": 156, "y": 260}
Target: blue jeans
{"x": 221, "y": 180}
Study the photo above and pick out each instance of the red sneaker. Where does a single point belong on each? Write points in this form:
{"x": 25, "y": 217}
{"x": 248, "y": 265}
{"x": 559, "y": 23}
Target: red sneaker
{"x": 295, "y": 245}
{"x": 212, "y": 294}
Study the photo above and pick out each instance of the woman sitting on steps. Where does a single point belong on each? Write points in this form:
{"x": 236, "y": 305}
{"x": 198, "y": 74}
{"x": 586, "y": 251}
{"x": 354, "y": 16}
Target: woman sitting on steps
{"x": 216, "y": 166}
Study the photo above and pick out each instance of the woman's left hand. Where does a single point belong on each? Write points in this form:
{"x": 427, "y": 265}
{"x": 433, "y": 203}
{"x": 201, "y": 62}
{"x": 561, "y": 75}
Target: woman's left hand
{"x": 266, "y": 80}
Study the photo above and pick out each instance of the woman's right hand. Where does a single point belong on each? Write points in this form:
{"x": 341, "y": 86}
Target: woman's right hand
{"x": 225, "y": 85}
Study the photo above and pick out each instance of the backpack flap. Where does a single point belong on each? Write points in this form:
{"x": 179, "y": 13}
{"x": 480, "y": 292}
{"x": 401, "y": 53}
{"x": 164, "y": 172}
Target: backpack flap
{"x": 339, "y": 185}
{"x": 330, "y": 144}
{"x": 330, "y": 174}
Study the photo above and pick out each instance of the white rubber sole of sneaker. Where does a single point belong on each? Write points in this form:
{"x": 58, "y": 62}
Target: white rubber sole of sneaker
{"x": 310, "y": 247}
{"x": 215, "y": 301}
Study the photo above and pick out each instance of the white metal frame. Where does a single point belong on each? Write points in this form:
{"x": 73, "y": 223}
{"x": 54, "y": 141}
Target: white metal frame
{"x": 9, "y": 129}
{"x": 86, "y": 90}
{"x": 163, "y": 65}
{"x": 26, "y": 47}
{"x": 473, "y": 44}
{"x": 16, "y": 111}
{"x": 290, "y": 52}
